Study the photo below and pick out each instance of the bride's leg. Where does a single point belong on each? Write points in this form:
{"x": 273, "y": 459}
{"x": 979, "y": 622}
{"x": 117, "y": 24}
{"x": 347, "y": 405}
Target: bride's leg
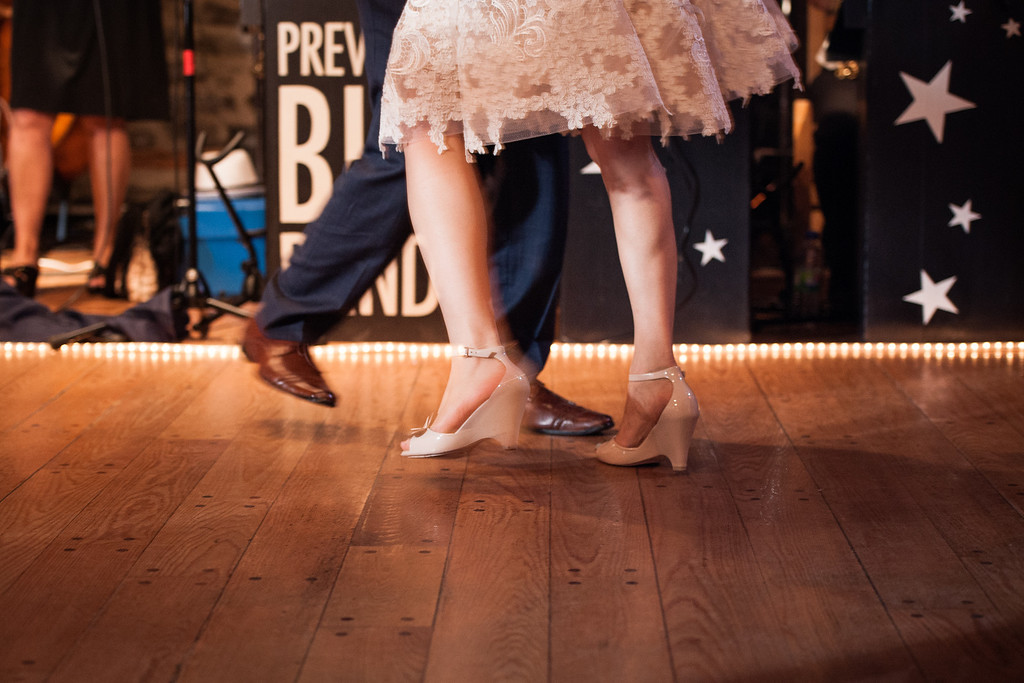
{"x": 642, "y": 213}
{"x": 448, "y": 215}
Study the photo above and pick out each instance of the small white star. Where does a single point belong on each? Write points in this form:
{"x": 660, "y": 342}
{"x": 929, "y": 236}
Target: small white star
{"x": 963, "y": 215}
{"x": 960, "y": 12}
{"x": 932, "y": 297}
{"x": 711, "y": 248}
{"x": 932, "y": 101}
{"x": 1012, "y": 28}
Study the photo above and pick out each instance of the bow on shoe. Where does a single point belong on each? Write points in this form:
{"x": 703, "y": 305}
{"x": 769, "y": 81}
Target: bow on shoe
{"x": 420, "y": 431}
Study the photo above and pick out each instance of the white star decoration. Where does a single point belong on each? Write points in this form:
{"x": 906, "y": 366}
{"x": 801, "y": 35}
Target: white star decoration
{"x": 1012, "y": 28}
{"x": 710, "y": 248}
{"x": 960, "y": 12}
{"x": 932, "y": 101}
{"x": 963, "y": 215}
{"x": 932, "y": 297}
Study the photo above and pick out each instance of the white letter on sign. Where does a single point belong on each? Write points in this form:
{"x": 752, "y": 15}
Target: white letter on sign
{"x": 354, "y": 99}
{"x": 332, "y": 48}
{"x": 294, "y": 153}
{"x": 287, "y": 43}
{"x": 312, "y": 41}
{"x": 356, "y": 49}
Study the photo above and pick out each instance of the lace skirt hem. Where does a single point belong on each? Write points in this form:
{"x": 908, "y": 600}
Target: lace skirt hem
{"x": 506, "y": 70}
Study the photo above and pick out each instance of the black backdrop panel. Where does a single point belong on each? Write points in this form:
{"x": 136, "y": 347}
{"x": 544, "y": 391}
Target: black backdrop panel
{"x": 913, "y": 179}
{"x": 316, "y": 115}
{"x": 316, "y": 111}
{"x": 710, "y": 192}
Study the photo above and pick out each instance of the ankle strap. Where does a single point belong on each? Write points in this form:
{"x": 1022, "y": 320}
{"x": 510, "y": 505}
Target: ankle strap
{"x": 21, "y": 272}
{"x": 470, "y": 352}
{"x": 671, "y": 373}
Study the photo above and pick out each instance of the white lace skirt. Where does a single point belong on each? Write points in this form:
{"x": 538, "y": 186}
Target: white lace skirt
{"x": 496, "y": 71}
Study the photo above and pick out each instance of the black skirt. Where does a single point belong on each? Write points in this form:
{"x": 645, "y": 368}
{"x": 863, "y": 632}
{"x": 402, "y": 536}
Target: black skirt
{"x": 66, "y": 59}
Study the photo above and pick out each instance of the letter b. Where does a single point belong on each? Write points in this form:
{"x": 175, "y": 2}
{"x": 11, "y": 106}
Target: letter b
{"x": 294, "y": 153}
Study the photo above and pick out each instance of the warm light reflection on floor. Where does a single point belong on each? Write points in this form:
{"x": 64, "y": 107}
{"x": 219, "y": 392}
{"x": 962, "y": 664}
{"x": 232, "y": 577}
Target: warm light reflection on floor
{"x": 389, "y": 351}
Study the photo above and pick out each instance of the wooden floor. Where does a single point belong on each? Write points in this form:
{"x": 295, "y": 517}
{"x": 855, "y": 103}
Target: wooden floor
{"x": 847, "y": 516}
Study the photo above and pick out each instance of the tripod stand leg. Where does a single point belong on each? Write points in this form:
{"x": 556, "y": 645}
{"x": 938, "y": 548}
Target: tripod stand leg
{"x": 226, "y": 307}
{"x": 59, "y": 340}
{"x": 193, "y": 292}
{"x": 201, "y": 321}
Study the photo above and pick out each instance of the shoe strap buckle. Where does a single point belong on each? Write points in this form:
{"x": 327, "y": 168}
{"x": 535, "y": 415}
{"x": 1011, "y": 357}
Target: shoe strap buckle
{"x": 470, "y": 352}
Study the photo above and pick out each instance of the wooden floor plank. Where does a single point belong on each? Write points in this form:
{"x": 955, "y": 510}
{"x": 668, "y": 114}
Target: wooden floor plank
{"x": 715, "y": 602}
{"x": 58, "y": 596}
{"x": 999, "y": 379}
{"x": 845, "y": 517}
{"x": 20, "y": 361}
{"x": 36, "y": 378}
{"x": 224, "y": 408}
{"x": 261, "y": 619}
{"x": 147, "y": 629}
{"x": 65, "y": 410}
{"x": 970, "y": 419}
{"x": 209, "y": 528}
{"x": 988, "y": 529}
{"x": 88, "y": 458}
{"x": 606, "y": 612}
{"x": 718, "y": 615}
{"x": 820, "y": 592}
{"x": 975, "y": 520}
{"x": 378, "y": 624}
{"x": 215, "y": 522}
{"x": 262, "y": 626}
{"x": 379, "y": 618}
{"x": 412, "y": 501}
{"x": 919, "y": 490}
{"x": 499, "y": 555}
{"x": 843, "y": 433}
{"x": 963, "y": 644}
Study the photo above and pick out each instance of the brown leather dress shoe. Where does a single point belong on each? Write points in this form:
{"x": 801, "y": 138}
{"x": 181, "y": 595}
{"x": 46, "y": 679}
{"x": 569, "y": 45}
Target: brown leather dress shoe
{"x": 549, "y": 413}
{"x": 286, "y": 365}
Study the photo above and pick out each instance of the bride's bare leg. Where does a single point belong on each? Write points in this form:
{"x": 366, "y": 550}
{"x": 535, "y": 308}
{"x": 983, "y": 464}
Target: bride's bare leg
{"x": 448, "y": 215}
{"x": 642, "y": 213}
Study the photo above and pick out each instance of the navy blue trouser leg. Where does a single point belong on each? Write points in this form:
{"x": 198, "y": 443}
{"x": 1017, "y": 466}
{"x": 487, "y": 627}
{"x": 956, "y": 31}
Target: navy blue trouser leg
{"x": 366, "y": 221}
{"x": 361, "y": 228}
{"x": 528, "y": 247}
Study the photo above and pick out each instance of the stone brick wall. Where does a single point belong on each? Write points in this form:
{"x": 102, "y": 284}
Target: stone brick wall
{"x": 226, "y": 94}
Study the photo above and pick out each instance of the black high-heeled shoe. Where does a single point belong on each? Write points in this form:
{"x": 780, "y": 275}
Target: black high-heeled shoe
{"x": 24, "y": 279}
{"x": 109, "y": 287}
{"x": 97, "y": 271}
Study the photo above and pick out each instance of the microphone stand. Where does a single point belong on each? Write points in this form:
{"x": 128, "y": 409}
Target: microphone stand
{"x": 193, "y": 292}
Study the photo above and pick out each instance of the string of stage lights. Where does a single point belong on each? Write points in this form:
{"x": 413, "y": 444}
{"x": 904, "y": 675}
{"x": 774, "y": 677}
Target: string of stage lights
{"x": 389, "y": 351}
